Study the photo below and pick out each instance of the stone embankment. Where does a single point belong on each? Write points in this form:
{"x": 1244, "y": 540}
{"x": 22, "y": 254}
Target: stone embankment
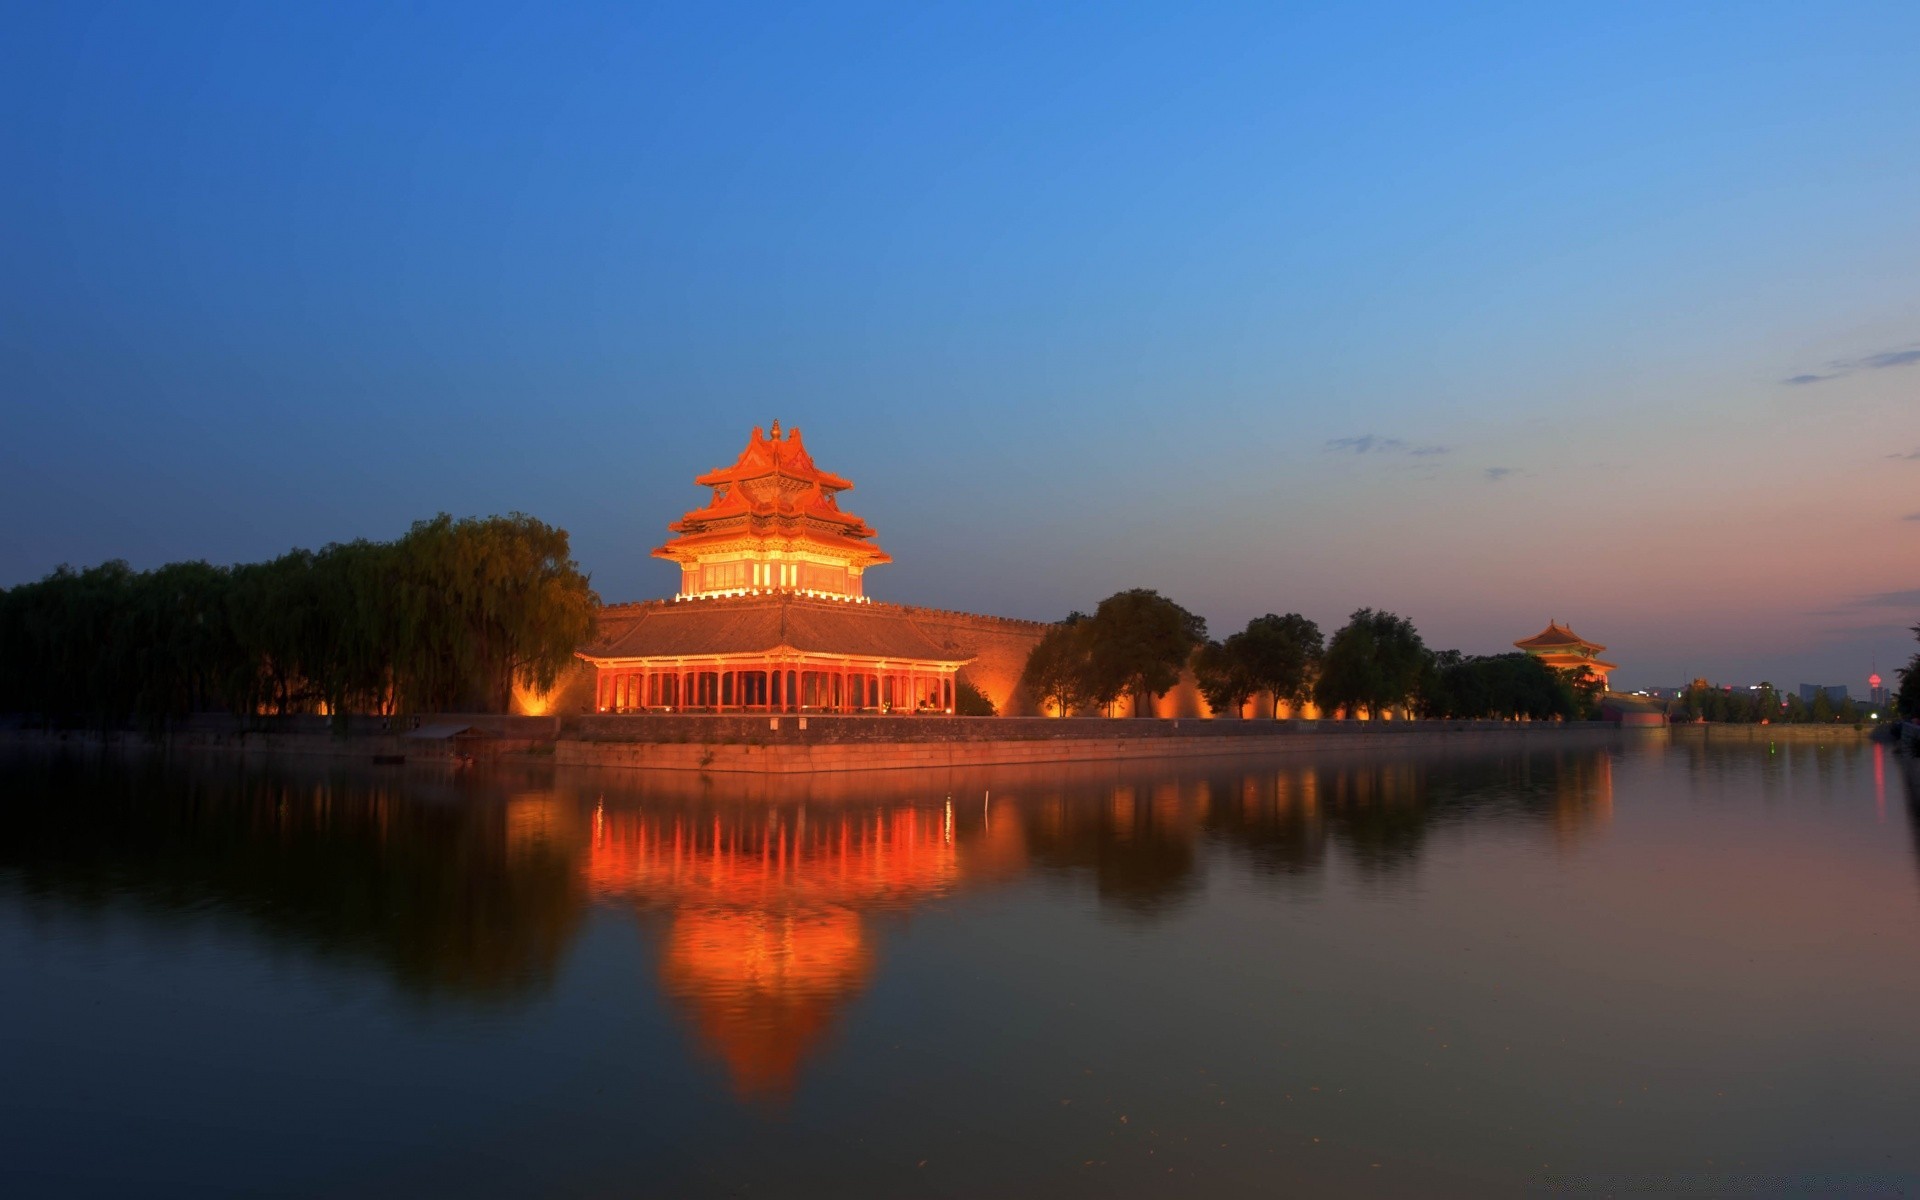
{"x": 790, "y": 744}
{"x": 1797, "y": 734}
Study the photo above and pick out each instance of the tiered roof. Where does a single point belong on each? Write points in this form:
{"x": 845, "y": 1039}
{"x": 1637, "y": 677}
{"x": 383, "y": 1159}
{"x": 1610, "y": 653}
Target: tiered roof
{"x": 1559, "y": 645}
{"x": 773, "y": 493}
{"x": 763, "y": 624}
{"x": 1559, "y": 637}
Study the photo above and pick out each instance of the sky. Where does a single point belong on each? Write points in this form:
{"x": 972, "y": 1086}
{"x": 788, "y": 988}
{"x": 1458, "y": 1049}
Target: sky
{"x": 1485, "y": 314}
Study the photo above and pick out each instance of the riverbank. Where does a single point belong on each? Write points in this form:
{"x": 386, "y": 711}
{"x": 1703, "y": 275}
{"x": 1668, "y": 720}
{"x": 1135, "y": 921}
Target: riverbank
{"x": 787, "y": 744}
{"x": 793, "y": 745}
{"x": 1796, "y": 734}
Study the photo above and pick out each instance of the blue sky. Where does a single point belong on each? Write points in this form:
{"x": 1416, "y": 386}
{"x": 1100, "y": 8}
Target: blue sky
{"x": 1483, "y": 313}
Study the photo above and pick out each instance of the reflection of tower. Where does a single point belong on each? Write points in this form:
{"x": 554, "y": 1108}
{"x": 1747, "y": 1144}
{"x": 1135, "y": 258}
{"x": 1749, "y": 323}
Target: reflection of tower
{"x": 767, "y": 941}
{"x": 763, "y": 987}
{"x": 1583, "y": 796}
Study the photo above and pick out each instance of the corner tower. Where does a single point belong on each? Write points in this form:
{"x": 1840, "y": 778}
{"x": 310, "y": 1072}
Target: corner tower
{"x": 1561, "y": 648}
{"x": 773, "y": 525}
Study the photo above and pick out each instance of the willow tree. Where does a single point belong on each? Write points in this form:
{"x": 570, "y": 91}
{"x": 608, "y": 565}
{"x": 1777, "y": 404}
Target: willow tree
{"x": 485, "y": 604}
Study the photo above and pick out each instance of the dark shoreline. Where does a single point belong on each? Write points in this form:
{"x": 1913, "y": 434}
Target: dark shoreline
{"x": 777, "y": 744}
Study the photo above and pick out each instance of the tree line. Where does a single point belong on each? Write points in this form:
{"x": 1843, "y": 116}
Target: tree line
{"x": 449, "y": 617}
{"x": 1906, "y": 701}
{"x": 1703, "y": 701}
{"x": 1136, "y": 643}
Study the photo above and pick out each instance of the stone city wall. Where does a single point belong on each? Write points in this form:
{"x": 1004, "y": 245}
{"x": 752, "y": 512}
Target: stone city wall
{"x": 999, "y": 646}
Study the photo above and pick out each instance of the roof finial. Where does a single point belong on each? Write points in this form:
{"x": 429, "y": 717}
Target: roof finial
{"x": 776, "y": 429}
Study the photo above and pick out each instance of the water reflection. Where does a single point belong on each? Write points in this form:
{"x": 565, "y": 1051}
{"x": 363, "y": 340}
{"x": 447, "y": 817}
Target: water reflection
{"x": 394, "y": 874}
{"x": 1907, "y": 768}
{"x": 766, "y": 938}
{"x": 764, "y": 897}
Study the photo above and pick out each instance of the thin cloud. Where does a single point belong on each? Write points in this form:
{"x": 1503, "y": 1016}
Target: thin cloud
{"x": 1911, "y": 517}
{"x": 1496, "y": 474}
{"x": 1374, "y": 443}
{"x": 1858, "y": 606}
{"x": 1914, "y": 457}
{"x": 1847, "y": 366}
{"x": 1366, "y": 443}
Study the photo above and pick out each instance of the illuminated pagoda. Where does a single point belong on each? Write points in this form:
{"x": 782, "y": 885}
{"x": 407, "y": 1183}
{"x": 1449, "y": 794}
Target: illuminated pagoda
{"x": 772, "y": 613}
{"x": 1563, "y": 649}
{"x": 773, "y": 524}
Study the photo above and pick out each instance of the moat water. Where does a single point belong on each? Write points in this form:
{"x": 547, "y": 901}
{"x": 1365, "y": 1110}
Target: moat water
{"x": 1643, "y": 964}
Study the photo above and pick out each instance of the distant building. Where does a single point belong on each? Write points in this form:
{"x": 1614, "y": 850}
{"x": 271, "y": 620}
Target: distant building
{"x": 1836, "y": 692}
{"x": 1876, "y": 689}
{"x": 1560, "y": 647}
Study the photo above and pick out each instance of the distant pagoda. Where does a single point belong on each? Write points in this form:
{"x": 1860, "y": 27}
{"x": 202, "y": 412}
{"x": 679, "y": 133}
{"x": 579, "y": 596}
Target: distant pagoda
{"x": 1560, "y": 647}
{"x": 774, "y": 525}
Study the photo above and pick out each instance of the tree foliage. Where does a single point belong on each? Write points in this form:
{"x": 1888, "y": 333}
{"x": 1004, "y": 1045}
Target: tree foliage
{"x": 1372, "y": 665}
{"x": 1907, "y": 699}
{"x": 1059, "y": 667}
{"x": 970, "y": 701}
{"x": 1704, "y": 701}
{"x": 1138, "y": 641}
{"x": 450, "y": 616}
{"x": 1223, "y": 678}
{"x": 1279, "y": 656}
{"x": 1499, "y": 686}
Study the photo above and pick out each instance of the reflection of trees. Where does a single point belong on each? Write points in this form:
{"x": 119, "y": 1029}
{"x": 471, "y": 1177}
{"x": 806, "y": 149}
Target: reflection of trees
{"x": 764, "y": 905}
{"x": 349, "y": 869}
{"x": 1140, "y": 840}
{"x": 1908, "y": 767}
{"x": 1273, "y": 820}
{"x": 1138, "y": 847}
